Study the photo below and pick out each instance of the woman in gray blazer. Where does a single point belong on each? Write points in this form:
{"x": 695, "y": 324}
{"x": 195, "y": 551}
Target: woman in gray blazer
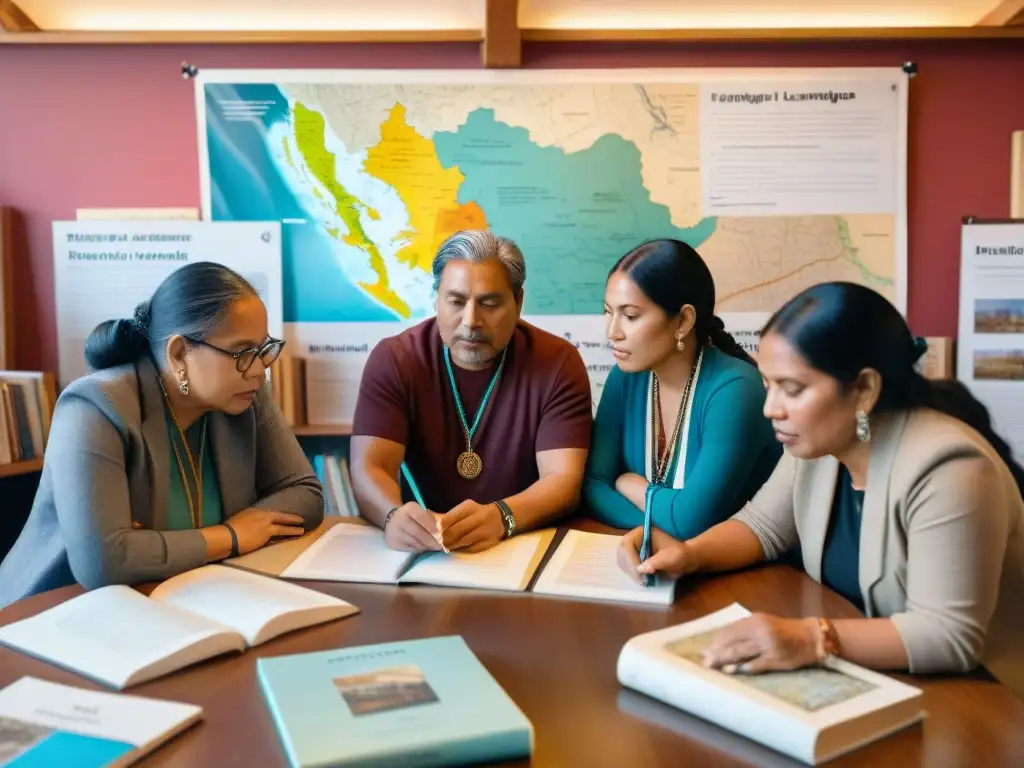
{"x": 897, "y": 490}
{"x": 172, "y": 453}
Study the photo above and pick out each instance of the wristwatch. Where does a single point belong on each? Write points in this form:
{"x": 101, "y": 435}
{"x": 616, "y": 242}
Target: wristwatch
{"x": 507, "y": 518}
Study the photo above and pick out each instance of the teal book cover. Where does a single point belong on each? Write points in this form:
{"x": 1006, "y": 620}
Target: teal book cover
{"x": 412, "y": 703}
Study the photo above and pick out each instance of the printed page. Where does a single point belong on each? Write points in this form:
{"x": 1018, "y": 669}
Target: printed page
{"x": 586, "y": 565}
{"x": 508, "y": 566}
{"x": 33, "y": 711}
{"x": 119, "y": 637}
{"x": 794, "y": 148}
{"x": 256, "y": 606}
{"x": 102, "y": 269}
{"x": 349, "y": 552}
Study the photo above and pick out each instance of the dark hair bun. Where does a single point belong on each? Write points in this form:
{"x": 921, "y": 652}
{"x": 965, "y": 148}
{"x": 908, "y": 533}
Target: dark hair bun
{"x": 115, "y": 342}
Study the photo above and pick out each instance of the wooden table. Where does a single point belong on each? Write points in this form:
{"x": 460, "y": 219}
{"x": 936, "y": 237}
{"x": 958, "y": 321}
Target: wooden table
{"x": 556, "y": 658}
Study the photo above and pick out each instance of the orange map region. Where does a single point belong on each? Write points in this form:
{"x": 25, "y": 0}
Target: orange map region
{"x": 408, "y": 162}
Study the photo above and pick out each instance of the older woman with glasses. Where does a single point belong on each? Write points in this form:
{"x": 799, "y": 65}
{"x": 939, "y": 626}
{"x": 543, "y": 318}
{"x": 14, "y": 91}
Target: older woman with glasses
{"x": 171, "y": 454}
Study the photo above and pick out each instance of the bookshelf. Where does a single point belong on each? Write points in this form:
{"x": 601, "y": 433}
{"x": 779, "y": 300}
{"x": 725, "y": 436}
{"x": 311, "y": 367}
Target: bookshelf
{"x": 16, "y": 468}
{"x": 322, "y": 430}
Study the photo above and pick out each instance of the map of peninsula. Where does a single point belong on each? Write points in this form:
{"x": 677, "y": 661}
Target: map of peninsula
{"x": 310, "y": 132}
{"x": 574, "y": 212}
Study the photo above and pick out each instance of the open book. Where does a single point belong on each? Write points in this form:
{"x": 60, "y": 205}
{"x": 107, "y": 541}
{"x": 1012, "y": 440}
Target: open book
{"x": 586, "y": 565}
{"x": 49, "y": 724}
{"x": 349, "y": 552}
{"x": 812, "y": 715}
{"x": 119, "y": 637}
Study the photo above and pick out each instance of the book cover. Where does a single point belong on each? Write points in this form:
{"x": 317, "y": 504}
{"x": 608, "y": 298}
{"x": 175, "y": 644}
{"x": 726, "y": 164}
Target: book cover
{"x": 812, "y": 714}
{"x": 49, "y": 724}
{"x": 414, "y": 703}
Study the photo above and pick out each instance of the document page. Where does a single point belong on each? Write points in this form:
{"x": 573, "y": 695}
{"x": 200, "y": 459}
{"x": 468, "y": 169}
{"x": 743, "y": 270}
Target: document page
{"x": 801, "y": 148}
{"x": 586, "y": 565}
{"x": 112, "y": 633}
{"x": 508, "y": 566}
{"x": 349, "y": 552}
{"x": 249, "y": 603}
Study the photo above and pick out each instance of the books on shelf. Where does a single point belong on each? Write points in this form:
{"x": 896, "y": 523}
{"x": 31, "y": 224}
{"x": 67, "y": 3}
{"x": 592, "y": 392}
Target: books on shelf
{"x": 413, "y": 703}
{"x": 586, "y": 565}
{"x": 812, "y": 714}
{"x": 332, "y": 471}
{"x": 26, "y": 408}
{"x": 119, "y": 637}
{"x": 351, "y": 552}
{"x": 49, "y": 724}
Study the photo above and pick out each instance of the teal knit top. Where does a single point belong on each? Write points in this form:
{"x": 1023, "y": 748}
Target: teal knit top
{"x": 727, "y": 448}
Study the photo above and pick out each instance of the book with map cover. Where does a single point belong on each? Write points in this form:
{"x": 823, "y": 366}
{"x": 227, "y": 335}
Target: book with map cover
{"x": 813, "y": 714}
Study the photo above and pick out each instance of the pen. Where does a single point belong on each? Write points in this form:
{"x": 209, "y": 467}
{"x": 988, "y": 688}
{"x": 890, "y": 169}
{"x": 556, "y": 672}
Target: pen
{"x": 647, "y": 579}
{"x": 419, "y": 500}
{"x": 412, "y": 485}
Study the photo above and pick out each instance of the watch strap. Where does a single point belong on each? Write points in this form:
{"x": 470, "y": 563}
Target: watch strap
{"x": 507, "y": 518}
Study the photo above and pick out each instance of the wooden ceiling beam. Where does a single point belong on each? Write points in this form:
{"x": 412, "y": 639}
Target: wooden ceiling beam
{"x": 503, "y": 42}
{"x": 13, "y": 19}
{"x": 1008, "y": 13}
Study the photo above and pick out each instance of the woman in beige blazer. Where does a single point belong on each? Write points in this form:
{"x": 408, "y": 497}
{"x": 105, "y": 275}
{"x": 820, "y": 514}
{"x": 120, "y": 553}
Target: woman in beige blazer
{"x": 896, "y": 489}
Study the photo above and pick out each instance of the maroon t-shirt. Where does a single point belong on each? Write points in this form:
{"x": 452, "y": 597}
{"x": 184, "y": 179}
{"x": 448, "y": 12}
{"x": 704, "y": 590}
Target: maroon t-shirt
{"x": 541, "y": 402}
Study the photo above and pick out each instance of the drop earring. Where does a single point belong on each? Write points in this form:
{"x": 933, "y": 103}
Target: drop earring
{"x": 680, "y": 344}
{"x": 863, "y": 427}
{"x": 182, "y": 382}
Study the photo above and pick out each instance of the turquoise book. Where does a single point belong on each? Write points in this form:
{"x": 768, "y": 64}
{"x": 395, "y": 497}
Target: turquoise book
{"x": 413, "y": 703}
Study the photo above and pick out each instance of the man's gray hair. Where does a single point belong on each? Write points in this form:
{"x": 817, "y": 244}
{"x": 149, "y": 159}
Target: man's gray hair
{"x": 478, "y": 246}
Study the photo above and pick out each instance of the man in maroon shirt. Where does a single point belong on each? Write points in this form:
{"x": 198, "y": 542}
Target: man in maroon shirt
{"x": 491, "y": 415}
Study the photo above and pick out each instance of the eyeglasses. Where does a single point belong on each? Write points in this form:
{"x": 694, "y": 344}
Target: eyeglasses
{"x": 268, "y": 352}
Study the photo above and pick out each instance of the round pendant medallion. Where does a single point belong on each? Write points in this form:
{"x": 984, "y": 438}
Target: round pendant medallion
{"x": 469, "y": 465}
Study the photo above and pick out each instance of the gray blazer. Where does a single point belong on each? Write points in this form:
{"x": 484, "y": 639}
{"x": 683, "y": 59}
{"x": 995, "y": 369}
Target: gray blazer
{"x": 941, "y": 540}
{"x": 107, "y": 466}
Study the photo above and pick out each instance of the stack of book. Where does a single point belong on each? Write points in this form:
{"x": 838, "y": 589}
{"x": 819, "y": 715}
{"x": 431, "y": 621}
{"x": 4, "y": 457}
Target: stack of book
{"x": 26, "y": 407}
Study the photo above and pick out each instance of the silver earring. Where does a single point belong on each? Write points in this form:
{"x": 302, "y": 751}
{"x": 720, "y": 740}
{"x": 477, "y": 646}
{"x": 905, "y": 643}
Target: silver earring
{"x": 680, "y": 345}
{"x": 183, "y": 382}
{"x": 863, "y": 427}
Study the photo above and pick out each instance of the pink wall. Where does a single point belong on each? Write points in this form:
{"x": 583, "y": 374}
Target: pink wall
{"x": 101, "y": 126}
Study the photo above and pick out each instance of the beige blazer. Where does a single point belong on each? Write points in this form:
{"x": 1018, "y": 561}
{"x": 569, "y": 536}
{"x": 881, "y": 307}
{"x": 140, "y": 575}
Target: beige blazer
{"x": 941, "y": 541}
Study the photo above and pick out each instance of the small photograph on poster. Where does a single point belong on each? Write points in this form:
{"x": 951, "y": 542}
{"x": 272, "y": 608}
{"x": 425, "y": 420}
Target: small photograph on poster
{"x": 999, "y": 364}
{"x": 999, "y": 316}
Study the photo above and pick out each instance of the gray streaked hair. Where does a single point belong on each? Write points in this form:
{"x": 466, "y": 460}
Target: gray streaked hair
{"x": 478, "y": 246}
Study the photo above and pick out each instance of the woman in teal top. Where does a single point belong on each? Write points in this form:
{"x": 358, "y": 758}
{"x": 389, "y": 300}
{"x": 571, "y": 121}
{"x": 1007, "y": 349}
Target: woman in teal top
{"x": 171, "y": 453}
{"x": 679, "y": 425}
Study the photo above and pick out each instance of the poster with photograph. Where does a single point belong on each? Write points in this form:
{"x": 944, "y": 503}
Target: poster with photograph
{"x": 990, "y": 348}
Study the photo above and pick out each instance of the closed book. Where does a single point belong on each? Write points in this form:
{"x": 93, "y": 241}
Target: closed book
{"x": 413, "y": 703}
{"x": 44, "y": 724}
{"x": 813, "y": 714}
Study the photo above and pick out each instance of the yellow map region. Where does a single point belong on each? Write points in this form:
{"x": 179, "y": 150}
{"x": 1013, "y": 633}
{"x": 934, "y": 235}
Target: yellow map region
{"x": 309, "y": 137}
{"x": 408, "y": 162}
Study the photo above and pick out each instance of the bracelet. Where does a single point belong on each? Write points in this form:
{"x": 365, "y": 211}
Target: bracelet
{"x": 234, "y": 540}
{"x": 387, "y": 519}
{"x": 828, "y": 640}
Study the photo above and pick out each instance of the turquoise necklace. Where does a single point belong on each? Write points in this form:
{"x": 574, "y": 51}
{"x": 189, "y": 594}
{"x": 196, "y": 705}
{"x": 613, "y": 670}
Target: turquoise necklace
{"x": 469, "y": 464}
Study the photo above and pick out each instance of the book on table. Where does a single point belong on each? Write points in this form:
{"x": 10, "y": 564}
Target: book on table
{"x": 586, "y": 565}
{"x": 120, "y": 637}
{"x": 351, "y": 552}
{"x": 412, "y": 703}
{"x": 812, "y": 715}
{"x": 49, "y": 724}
